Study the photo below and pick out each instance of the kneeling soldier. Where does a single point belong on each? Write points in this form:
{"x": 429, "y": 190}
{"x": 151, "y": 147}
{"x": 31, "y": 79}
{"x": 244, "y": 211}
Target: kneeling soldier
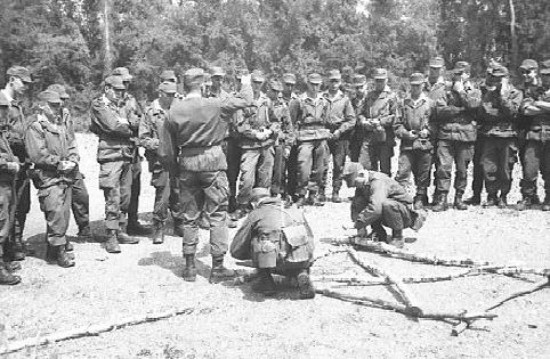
{"x": 380, "y": 200}
{"x": 277, "y": 240}
{"x": 55, "y": 157}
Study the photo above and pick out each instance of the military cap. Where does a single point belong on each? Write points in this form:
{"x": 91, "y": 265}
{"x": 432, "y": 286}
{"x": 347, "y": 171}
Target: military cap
{"x": 257, "y": 76}
{"x": 359, "y": 80}
{"x": 193, "y": 75}
{"x": 239, "y": 73}
{"x": 22, "y": 72}
{"x": 122, "y": 72}
{"x": 168, "y": 75}
{"x": 334, "y": 75}
{"x": 416, "y": 78}
{"x": 351, "y": 171}
{"x": 168, "y": 87}
{"x": 437, "y": 62}
{"x": 60, "y": 89}
{"x": 289, "y": 78}
{"x": 529, "y": 64}
{"x": 461, "y": 67}
{"x": 314, "y": 78}
{"x": 258, "y": 193}
{"x": 545, "y": 67}
{"x": 499, "y": 71}
{"x": 380, "y": 74}
{"x": 217, "y": 71}
{"x": 275, "y": 85}
{"x": 50, "y": 96}
{"x": 115, "y": 82}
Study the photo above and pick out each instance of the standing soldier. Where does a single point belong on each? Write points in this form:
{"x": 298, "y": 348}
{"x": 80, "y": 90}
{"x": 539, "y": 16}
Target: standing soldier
{"x": 376, "y": 122}
{"x": 19, "y": 80}
{"x": 456, "y": 136}
{"x": 359, "y": 82}
{"x": 309, "y": 117}
{"x": 53, "y": 151}
{"x": 232, "y": 139}
{"x": 80, "y": 199}
{"x": 115, "y": 154}
{"x": 341, "y": 121}
{"x": 279, "y": 117}
{"x": 9, "y": 167}
{"x": 289, "y": 84}
{"x": 149, "y": 134}
{"x": 499, "y": 108}
{"x": 257, "y": 140}
{"x": 415, "y": 130}
{"x": 537, "y": 148}
{"x": 199, "y": 163}
{"x": 531, "y": 90}
{"x": 132, "y": 111}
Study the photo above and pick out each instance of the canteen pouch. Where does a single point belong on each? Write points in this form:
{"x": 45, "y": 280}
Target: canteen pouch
{"x": 266, "y": 254}
{"x": 296, "y": 237}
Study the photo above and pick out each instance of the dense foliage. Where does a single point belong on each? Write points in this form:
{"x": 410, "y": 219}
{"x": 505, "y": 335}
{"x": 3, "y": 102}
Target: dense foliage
{"x": 76, "y": 42}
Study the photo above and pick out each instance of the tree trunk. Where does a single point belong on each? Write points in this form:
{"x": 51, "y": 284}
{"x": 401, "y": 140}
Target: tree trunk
{"x": 108, "y": 54}
{"x": 514, "y": 37}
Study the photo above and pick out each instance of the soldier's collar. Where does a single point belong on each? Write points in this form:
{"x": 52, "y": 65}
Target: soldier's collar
{"x": 338, "y": 95}
{"x": 421, "y": 99}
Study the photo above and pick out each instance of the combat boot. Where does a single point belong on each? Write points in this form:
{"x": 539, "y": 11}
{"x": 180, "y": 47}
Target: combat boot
{"x": 419, "y": 217}
{"x": 300, "y": 202}
{"x": 124, "y": 238}
{"x": 525, "y": 203}
{"x": 492, "y": 200}
{"x": 378, "y": 233}
{"x": 158, "y": 235}
{"x": 441, "y": 203}
{"x": 307, "y": 290}
{"x": 63, "y": 259}
{"x": 190, "y": 271}
{"x": 288, "y": 201}
{"x": 112, "y": 245}
{"x": 336, "y": 196}
{"x": 397, "y": 238}
{"x": 69, "y": 246}
{"x": 135, "y": 228}
{"x": 6, "y": 278}
{"x": 219, "y": 273}
{"x": 266, "y": 284}
{"x": 15, "y": 250}
{"x": 322, "y": 198}
{"x": 475, "y": 200}
{"x": 418, "y": 202}
{"x": 458, "y": 204}
{"x": 503, "y": 201}
{"x": 313, "y": 200}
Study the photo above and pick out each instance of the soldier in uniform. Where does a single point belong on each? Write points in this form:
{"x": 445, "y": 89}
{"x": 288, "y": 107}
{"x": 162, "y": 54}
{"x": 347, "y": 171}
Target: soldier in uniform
{"x": 499, "y": 107}
{"x": 376, "y": 121}
{"x": 132, "y": 111}
{"x": 380, "y": 201}
{"x": 278, "y": 241}
{"x": 19, "y": 80}
{"x": 537, "y": 149}
{"x": 149, "y": 134}
{"x": 359, "y": 82}
{"x": 416, "y": 130}
{"x": 341, "y": 121}
{"x": 53, "y": 151}
{"x": 80, "y": 204}
{"x": 199, "y": 163}
{"x": 456, "y": 136}
{"x": 9, "y": 167}
{"x": 289, "y": 84}
{"x": 116, "y": 155}
{"x": 309, "y": 113}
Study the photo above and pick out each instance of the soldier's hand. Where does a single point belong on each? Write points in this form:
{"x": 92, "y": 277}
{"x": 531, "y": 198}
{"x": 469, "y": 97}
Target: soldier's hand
{"x": 13, "y": 167}
{"x": 336, "y": 134}
{"x": 413, "y": 135}
{"x": 66, "y": 166}
{"x": 262, "y": 135}
{"x": 424, "y": 133}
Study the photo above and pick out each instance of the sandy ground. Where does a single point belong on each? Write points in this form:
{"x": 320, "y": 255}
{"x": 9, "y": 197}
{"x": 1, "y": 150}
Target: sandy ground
{"x": 231, "y": 321}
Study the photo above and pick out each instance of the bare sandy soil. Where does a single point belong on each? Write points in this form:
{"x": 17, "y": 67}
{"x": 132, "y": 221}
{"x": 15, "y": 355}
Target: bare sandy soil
{"x": 231, "y": 321}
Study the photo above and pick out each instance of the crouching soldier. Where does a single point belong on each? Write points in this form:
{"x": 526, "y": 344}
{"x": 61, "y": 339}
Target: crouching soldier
{"x": 53, "y": 151}
{"x": 278, "y": 241}
{"x": 381, "y": 201}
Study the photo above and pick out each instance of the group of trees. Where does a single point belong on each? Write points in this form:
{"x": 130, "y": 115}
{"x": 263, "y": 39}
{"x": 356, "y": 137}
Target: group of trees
{"x": 76, "y": 42}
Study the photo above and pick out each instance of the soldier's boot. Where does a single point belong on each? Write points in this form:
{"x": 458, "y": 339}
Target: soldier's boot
{"x": 112, "y": 245}
{"x": 321, "y": 196}
{"x": 418, "y": 202}
{"x": 300, "y": 202}
{"x": 458, "y": 203}
{"x": 220, "y": 273}
{"x": 266, "y": 284}
{"x": 190, "y": 270}
{"x": 419, "y": 217}
{"x": 397, "y": 238}
{"x": 306, "y": 288}
{"x": 492, "y": 200}
{"x": 7, "y": 278}
{"x": 475, "y": 200}
{"x": 15, "y": 250}
{"x": 69, "y": 246}
{"x": 13, "y": 266}
{"x": 158, "y": 235}
{"x": 63, "y": 259}
{"x": 313, "y": 200}
{"x": 503, "y": 201}
{"x": 379, "y": 233}
{"x": 440, "y": 203}
{"x": 288, "y": 201}
{"x": 135, "y": 228}
{"x": 525, "y": 203}
{"x": 124, "y": 238}
{"x": 336, "y": 196}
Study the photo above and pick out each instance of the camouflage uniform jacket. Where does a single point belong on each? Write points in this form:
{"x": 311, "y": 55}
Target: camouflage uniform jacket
{"x": 498, "y": 113}
{"x": 380, "y": 106}
{"x": 310, "y": 118}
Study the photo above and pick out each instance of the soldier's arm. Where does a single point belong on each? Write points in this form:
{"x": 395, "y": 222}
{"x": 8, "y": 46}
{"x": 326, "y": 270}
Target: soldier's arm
{"x": 389, "y": 119}
{"x": 288, "y": 129}
{"x": 470, "y": 99}
{"x": 73, "y": 155}
{"x": 103, "y": 118}
{"x": 37, "y": 150}
{"x": 358, "y": 204}
{"x": 349, "y": 118}
{"x": 146, "y": 135}
{"x": 510, "y": 101}
{"x": 400, "y": 128}
{"x": 232, "y": 104}
{"x": 446, "y": 112}
{"x": 240, "y": 245}
{"x": 294, "y": 111}
{"x": 373, "y": 210}
{"x": 167, "y": 151}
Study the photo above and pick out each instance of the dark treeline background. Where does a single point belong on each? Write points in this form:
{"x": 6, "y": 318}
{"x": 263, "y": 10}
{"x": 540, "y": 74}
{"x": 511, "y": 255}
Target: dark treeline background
{"x": 76, "y": 42}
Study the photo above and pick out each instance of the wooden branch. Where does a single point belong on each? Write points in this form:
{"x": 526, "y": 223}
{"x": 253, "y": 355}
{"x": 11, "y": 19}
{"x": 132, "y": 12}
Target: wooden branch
{"x": 97, "y": 329}
{"x": 329, "y": 253}
{"x": 408, "y": 297}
